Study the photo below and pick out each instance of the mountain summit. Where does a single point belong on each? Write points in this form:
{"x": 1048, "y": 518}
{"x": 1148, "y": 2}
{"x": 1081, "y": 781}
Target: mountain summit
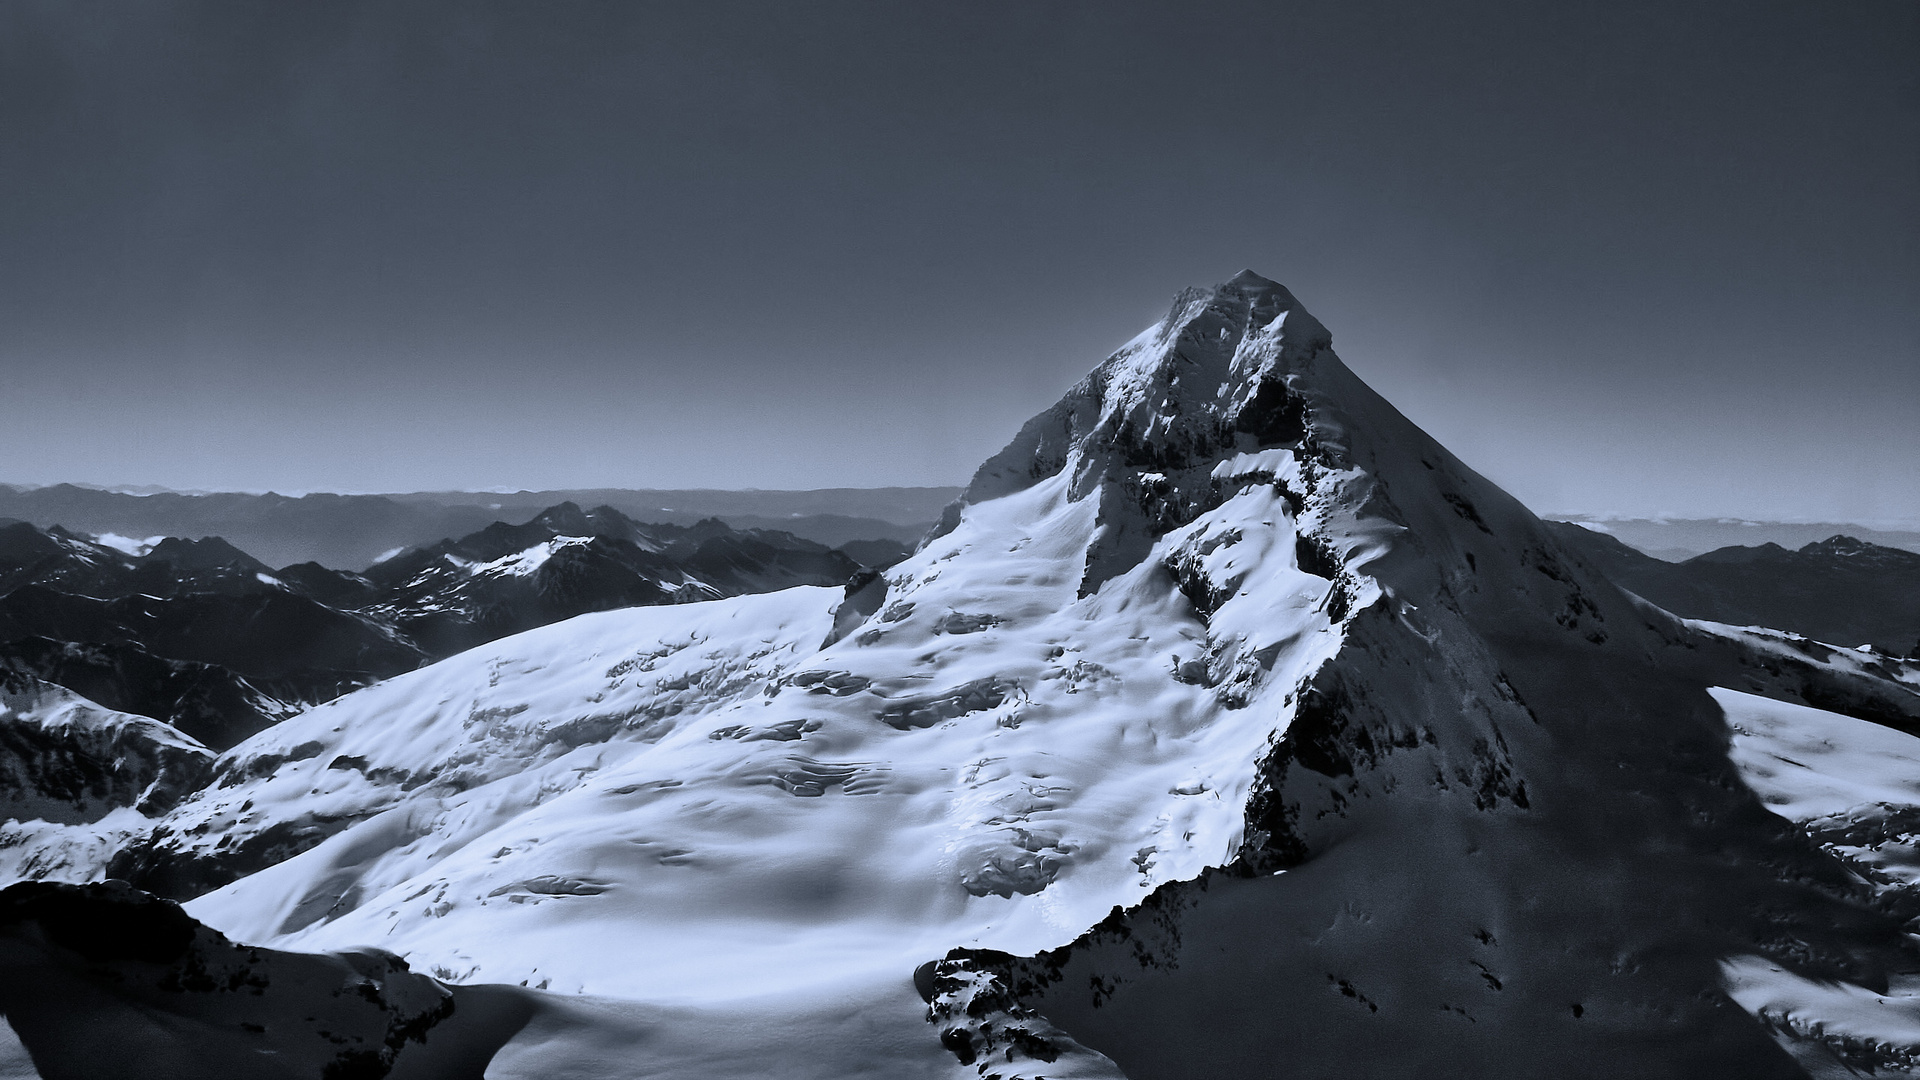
{"x": 1226, "y": 725}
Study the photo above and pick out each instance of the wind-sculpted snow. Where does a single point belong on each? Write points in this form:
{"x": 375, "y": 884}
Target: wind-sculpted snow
{"x": 1857, "y": 682}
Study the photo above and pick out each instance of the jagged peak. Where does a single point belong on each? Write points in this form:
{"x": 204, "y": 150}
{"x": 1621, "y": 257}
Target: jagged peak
{"x": 1245, "y": 305}
{"x": 1211, "y": 378}
{"x": 1241, "y": 377}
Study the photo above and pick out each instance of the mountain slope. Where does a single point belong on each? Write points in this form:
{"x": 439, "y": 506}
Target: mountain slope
{"x": 77, "y": 780}
{"x": 338, "y": 530}
{"x": 1510, "y": 837}
{"x": 1679, "y": 539}
{"x": 194, "y": 633}
{"x": 1227, "y": 725}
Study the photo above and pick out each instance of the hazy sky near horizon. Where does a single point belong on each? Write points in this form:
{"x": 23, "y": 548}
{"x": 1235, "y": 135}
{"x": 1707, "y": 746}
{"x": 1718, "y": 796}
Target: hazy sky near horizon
{"x": 1631, "y": 258}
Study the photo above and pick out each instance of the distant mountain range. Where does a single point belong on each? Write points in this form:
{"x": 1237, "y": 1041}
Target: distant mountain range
{"x": 1841, "y": 590}
{"x": 202, "y": 635}
{"x": 1679, "y": 539}
{"x": 352, "y": 532}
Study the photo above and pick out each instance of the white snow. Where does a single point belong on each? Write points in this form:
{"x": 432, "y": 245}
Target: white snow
{"x": 1807, "y": 763}
{"x": 1278, "y": 463}
{"x": 59, "y": 711}
{"x": 705, "y": 809}
{"x": 36, "y": 850}
{"x": 523, "y": 563}
{"x": 1829, "y": 771}
{"x": 1799, "y": 648}
{"x": 53, "y": 727}
{"x": 674, "y": 804}
{"x": 1854, "y": 784}
{"x": 721, "y": 845}
{"x": 1822, "y": 1012}
{"x": 127, "y": 544}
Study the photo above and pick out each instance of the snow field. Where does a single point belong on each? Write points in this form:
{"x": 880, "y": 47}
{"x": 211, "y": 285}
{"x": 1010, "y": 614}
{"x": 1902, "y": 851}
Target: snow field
{"x": 697, "y": 804}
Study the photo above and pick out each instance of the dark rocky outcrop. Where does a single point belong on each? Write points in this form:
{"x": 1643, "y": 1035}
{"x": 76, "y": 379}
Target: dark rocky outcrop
{"x": 183, "y": 1003}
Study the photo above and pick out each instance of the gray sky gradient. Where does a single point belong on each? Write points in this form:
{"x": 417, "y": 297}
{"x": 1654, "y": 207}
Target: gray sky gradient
{"x": 1631, "y": 257}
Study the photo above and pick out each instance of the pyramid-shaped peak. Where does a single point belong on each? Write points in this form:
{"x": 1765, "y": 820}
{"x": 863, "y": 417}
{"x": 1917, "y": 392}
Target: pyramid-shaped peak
{"x": 1251, "y": 281}
{"x": 1212, "y": 378}
{"x": 1244, "y": 304}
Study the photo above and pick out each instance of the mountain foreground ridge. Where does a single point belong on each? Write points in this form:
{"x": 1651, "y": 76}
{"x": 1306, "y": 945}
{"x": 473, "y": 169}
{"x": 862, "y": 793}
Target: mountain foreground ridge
{"x": 1226, "y": 725}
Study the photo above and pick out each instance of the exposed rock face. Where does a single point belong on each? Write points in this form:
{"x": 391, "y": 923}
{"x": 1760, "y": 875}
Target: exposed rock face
{"x": 193, "y": 633}
{"x": 64, "y": 759}
{"x": 59, "y": 560}
{"x": 1144, "y": 432}
{"x": 78, "y": 781}
{"x": 208, "y": 702}
{"x": 566, "y": 562}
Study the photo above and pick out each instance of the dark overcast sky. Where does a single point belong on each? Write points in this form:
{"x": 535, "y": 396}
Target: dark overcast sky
{"x": 1621, "y": 257}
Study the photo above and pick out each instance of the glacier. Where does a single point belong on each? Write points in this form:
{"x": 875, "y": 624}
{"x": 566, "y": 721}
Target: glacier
{"x": 1226, "y": 725}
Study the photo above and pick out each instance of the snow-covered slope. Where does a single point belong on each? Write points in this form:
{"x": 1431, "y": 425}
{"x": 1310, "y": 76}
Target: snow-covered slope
{"x": 1854, "y": 788}
{"x": 1227, "y": 721}
{"x": 990, "y": 759}
{"x": 78, "y": 780}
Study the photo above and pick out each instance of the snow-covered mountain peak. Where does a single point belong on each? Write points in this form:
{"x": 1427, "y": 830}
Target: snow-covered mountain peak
{"x": 1218, "y": 613}
{"x": 985, "y": 746}
{"x": 1210, "y": 377}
